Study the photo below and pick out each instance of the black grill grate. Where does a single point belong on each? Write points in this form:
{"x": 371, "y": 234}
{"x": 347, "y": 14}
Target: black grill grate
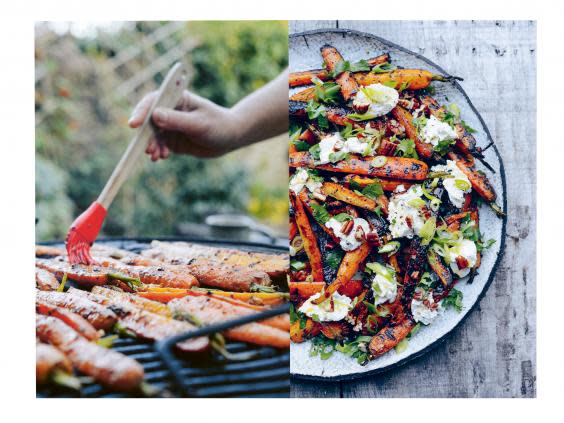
{"x": 266, "y": 373}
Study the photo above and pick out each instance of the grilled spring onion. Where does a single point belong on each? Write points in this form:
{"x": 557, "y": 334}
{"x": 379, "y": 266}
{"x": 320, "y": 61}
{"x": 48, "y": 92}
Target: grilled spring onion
{"x": 66, "y": 380}
{"x": 217, "y": 341}
{"x": 133, "y": 283}
{"x": 255, "y": 287}
{"x": 107, "y": 341}
{"x": 61, "y": 287}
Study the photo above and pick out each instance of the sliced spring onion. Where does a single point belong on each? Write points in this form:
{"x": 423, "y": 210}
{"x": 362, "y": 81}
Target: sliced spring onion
{"x": 391, "y": 248}
{"x": 435, "y": 202}
{"x": 297, "y": 243}
{"x": 297, "y": 265}
{"x": 401, "y": 347}
{"x": 61, "y": 286}
{"x": 379, "y": 161}
{"x": 416, "y": 203}
{"x": 107, "y": 341}
{"x": 462, "y": 185}
{"x": 427, "y": 231}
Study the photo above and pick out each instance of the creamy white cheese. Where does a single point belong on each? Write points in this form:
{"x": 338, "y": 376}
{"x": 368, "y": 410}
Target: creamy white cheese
{"x": 422, "y": 313}
{"x": 399, "y": 212}
{"x": 324, "y": 312}
{"x": 384, "y": 285}
{"x": 328, "y": 145}
{"x": 303, "y": 178}
{"x": 436, "y": 131}
{"x": 348, "y": 241}
{"x": 379, "y": 98}
{"x": 457, "y": 185}
{"x": 467, "y": 249}
{"x": 354, "y": 145}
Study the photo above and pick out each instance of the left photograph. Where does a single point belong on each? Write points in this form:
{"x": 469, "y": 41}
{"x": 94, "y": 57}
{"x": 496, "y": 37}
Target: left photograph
{"x": 161, "y": 209}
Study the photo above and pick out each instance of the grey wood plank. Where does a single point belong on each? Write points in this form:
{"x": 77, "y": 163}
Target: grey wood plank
{"x": 300, "y": 26}
{"x": 493, "y": 354}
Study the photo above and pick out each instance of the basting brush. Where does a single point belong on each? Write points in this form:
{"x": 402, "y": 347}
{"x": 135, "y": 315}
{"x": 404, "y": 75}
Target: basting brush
{"x": 85, "y": 228}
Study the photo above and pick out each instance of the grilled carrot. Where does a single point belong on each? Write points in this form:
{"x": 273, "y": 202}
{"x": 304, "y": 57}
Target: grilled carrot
{"x": 404, "y": 79}
{"x": 309, "y": 204}
{"x": 348, "y": 196}
{"x": 310, "y": 242}
{"x": 299, "y": 334}
{"x": 465, "y": 141}
{"x": 45, "y": 281}
{"x": 439, "y": 268}
{"x": 87, "y": 275}
{"x": 210, "y": 311}
{"x": 147, "y": 325}
{"x": 424, "y": 149}
{"x": 479, "y": 181}
{"x": 75, "y": 321}
{"x": 305, "y": 290}
{"x": 400, "y": 79}
{"x": 100, "y": 317}
{"x": 390, "y": 336}
{"x": 390, "y": 167}
{"x": 109, "y": 367}
{"x": 136, "y": 300}
{"x": 349, "y": 266}
{"x": 332, "y": 58}
{"x": 49, "y": 360}
{"x": 293, "y": 231}
{"x": 305, "y": 77}
{"x": 388, "y": 185}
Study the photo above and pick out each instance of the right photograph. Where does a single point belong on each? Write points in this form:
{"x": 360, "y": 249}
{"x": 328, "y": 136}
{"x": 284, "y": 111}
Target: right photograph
{"x": 412, "y": 208}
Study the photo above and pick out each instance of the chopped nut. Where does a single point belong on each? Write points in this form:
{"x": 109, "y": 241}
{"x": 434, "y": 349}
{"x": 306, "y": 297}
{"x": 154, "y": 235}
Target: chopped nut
{"x": 347, "y": 227}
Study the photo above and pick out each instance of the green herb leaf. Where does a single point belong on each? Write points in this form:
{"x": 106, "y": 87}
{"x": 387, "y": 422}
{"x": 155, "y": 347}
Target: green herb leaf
{"x": 454, "y": 299}
{"x": 342, "y": 217}
{"x": 320, "y": 213}
{"x": 373, "y": 191}
{"x": 333, "y": 258}
{"x": 360, "y": 66}
{"x": 406, "y": 148}
{"x": 383, "y": 68}
{"x": 315, "y": 151}
{"x": 337, "y": 156}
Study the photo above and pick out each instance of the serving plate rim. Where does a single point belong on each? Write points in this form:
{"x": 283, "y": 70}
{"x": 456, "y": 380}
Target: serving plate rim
{"x": 491, "y": 276}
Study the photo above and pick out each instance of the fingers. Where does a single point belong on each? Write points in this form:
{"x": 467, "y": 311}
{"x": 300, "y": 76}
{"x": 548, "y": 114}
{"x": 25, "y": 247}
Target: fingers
{"x": 174, "y": 120}
{"x": 140, "y": 111}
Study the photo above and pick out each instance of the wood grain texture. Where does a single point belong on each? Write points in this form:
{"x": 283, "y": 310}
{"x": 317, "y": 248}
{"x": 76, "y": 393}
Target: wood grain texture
{"x": 493, "y": 353}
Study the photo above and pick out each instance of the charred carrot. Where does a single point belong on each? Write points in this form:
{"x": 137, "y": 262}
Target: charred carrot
{"x": 348, "y": 196}
{"x": 349, "y": 266}
{"x": 380, "y": 166}
{"x": 439, "y": 268}
{"x": 390, "y": 336}
{"x": 45, "y": 281}
{"x": 424, "y": 149}
{"x": 346, "y": 81}
{"x": 402, "y": 79}
{"x": 310, "y": 242}
{"x": 75, "y": 321}
{"x": 479, "y": 180}
{"x": 297, "y": 79}
{"x": 305, "y": 289}
{"x": 388, "y": 185}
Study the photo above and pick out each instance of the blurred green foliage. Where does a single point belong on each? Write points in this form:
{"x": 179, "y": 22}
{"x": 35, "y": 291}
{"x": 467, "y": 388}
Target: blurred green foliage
{"x": 79, "y": 139}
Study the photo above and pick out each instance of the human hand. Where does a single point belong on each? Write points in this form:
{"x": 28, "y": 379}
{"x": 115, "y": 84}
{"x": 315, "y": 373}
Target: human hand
{"x": 197, "y": 127}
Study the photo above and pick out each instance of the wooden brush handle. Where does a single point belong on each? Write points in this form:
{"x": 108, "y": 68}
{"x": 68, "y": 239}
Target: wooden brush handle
{"x": 169, "y": 95}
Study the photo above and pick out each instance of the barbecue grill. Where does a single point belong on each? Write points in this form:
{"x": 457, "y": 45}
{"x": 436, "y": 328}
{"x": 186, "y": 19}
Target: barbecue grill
{"x": 258, "y": 371}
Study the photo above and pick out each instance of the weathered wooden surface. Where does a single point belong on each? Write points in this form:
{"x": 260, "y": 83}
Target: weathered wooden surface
{"x": 493, "y": 353}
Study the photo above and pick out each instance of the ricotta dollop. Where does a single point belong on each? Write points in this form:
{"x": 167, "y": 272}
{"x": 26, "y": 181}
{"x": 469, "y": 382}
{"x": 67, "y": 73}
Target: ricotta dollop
{"x": 324, "y": 312}
{"x": 457, "y": 184}
{"x": 348, "y": 242}
{"x": 384, "y": 284}
{"x": 467, "y": 249}
{"x": 399, "y": 212}
{"x": 436, "y": 131}
{"x": 303, "y": 178}
{"x": 379, "y": 98}
{"x": 423, "y": 313}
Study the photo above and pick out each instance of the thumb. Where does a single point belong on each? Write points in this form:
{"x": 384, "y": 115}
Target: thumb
{"x": 174, "y": 120}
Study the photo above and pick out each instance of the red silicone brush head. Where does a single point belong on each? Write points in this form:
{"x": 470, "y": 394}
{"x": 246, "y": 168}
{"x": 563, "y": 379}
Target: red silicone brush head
{"x": 83, "y": 232}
